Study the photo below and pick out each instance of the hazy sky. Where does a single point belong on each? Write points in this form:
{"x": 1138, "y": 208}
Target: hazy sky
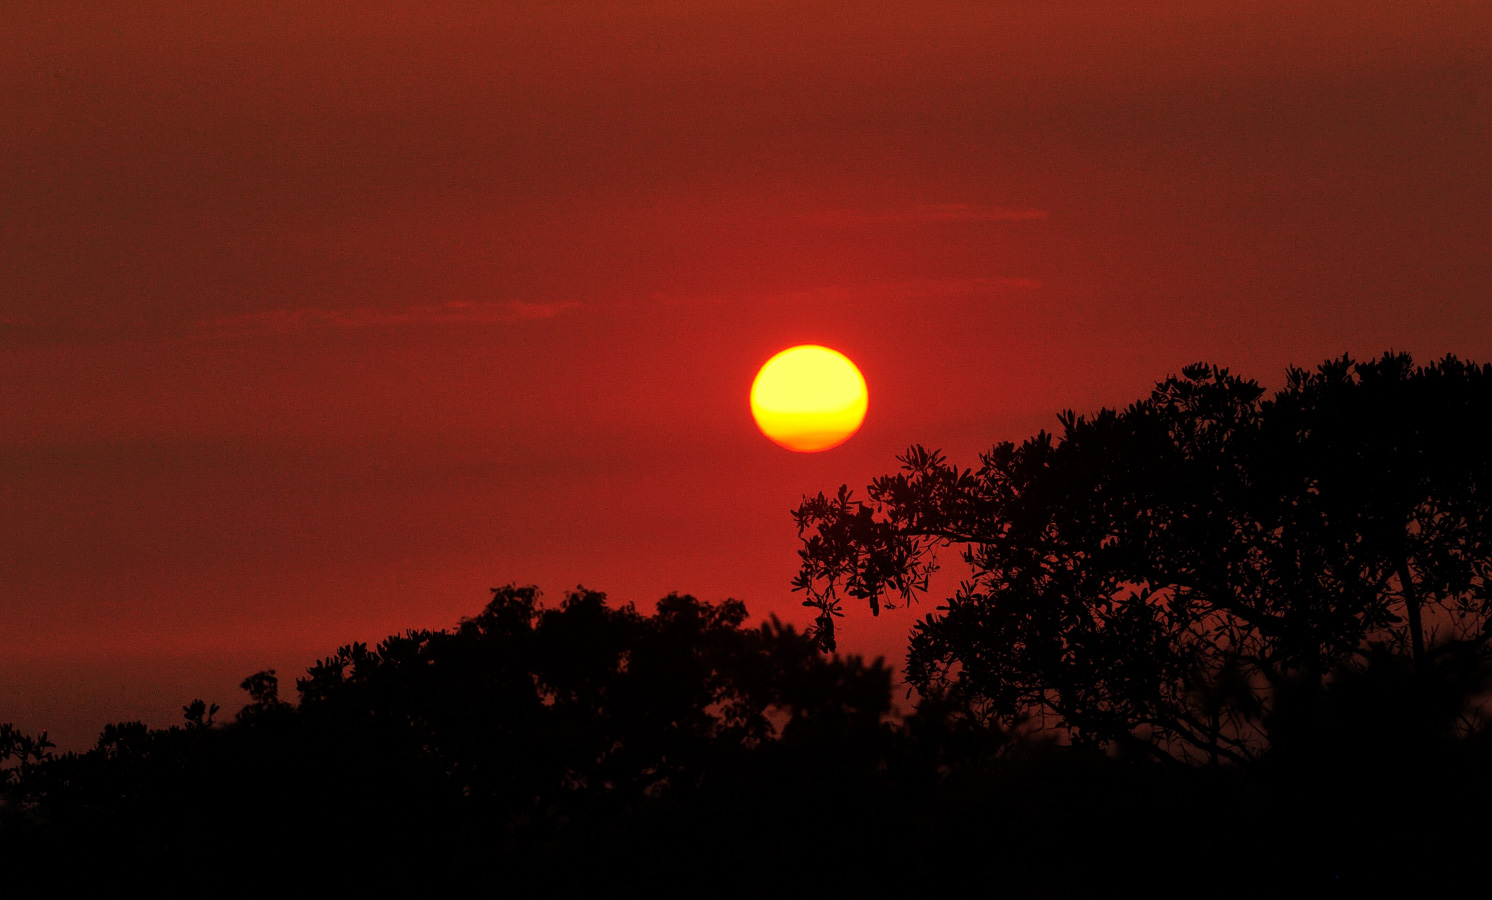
{"x": 316, "y": 323}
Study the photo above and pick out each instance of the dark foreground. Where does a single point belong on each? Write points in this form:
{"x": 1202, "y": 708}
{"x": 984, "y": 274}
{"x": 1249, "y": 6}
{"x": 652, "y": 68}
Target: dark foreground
{"x": 542, "y": 752}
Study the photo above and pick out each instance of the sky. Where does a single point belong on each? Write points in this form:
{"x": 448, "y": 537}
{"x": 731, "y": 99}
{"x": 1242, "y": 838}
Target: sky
{"x": 317, "y": 321}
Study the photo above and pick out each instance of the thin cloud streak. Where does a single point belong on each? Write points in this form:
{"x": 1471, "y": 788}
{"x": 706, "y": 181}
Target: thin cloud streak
{"x": 911, "y": 290}
{"x": 931, "y": 213}
{"x": 454, "y": 312}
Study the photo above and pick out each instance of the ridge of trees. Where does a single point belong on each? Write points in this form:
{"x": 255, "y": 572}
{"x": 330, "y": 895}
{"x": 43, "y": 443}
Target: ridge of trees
{"x": 554, "y": 743}
{"x": 1257, "y": 630}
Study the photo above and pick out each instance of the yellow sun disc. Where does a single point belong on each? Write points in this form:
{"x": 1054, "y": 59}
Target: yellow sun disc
{"x": 808, "y": 398}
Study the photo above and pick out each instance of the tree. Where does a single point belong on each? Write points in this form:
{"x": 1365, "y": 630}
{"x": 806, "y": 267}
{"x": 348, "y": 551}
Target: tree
{"x": 536, "y": 745}
{"x": 1154, "y": 576}
{"x": 570, "y": 711}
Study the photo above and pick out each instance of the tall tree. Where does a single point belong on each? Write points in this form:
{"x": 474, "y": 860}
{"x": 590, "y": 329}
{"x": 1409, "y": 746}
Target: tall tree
{"x": 1151, "y": 576}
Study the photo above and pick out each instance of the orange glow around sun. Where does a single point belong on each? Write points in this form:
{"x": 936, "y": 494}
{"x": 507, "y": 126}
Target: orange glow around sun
{"x": 809, "y": 398}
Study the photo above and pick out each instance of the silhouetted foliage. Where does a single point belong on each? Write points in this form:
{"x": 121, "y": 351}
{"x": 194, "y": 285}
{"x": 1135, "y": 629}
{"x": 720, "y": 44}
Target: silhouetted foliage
{"x": 587, "y": 747}
{"x": 526, "y": 738}
{"x": 1297, "y": 585}
{"x": 1158, "y": 577}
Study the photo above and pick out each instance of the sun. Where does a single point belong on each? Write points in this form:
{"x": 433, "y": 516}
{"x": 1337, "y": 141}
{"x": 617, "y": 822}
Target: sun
{"x": 809, "y": 398}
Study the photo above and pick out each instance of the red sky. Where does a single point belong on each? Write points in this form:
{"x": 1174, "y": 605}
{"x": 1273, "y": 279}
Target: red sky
{"x": 317, "y": 323}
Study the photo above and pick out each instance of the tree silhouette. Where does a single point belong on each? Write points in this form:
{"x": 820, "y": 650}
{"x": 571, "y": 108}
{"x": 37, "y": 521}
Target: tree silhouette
{"x": 1298, "y": 583}
{"x": 588, "y": 747}
{"x": 1154, "y": 576}
{"x": 578, "y": 744}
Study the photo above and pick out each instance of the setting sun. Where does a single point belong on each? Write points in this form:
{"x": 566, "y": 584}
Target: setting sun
{"x": 809, "y": 398}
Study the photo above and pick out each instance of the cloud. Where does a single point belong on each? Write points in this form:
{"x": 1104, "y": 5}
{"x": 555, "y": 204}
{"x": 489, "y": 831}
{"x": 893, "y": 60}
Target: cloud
{"x": 905, "y": 291}
{"x": 951, "y": 288}
{"x": 931, "y": 213}
{"x": 454, "y": 312}
{"x": 528, "y": 312}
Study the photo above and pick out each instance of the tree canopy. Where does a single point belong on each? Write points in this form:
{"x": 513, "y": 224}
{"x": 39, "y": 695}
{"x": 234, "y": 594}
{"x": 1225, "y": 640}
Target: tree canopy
{"x": 589, "y": 747}
{"x": 1210, "y": 574}
{"x": 541, "y": 744}
{"x": 1158, "y": 576}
